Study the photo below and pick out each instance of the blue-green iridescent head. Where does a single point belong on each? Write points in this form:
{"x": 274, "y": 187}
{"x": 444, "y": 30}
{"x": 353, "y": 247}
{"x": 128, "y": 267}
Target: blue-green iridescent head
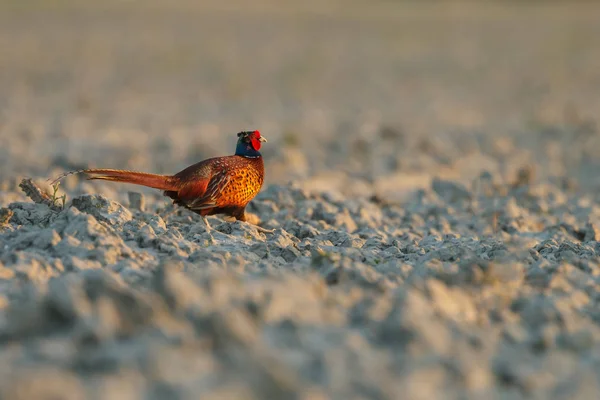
{"x": 248, "y": 144}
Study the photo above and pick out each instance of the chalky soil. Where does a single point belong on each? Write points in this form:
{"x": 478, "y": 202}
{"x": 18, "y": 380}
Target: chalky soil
{"x": 432, "y": 180}
{"x": 449, "y": 294}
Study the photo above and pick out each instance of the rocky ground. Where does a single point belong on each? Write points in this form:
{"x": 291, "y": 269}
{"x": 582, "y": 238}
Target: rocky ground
{"x": 432, "y": 183}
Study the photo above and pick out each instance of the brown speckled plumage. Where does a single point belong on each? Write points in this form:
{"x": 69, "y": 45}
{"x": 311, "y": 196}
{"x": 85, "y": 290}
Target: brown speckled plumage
{"x": 220, "y": 185}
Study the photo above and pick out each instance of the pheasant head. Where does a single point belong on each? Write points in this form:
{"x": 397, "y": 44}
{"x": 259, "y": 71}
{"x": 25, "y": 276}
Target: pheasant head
{"x": 248, "y": 144}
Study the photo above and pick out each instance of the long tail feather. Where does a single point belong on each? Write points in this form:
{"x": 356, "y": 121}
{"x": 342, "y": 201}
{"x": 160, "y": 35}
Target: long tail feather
{"x": 162, "y": 182}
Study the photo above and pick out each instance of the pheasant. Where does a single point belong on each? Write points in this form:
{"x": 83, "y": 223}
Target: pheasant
{"x": 220, "y": 185}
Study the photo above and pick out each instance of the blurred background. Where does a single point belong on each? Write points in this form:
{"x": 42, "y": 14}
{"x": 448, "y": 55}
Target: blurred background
{"x": 364, "y": 96}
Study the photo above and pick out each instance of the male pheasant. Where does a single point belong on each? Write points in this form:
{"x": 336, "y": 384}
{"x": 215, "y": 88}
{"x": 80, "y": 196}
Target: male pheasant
{"x": 220, "y": 185}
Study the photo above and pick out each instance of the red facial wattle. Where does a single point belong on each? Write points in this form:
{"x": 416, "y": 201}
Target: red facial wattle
{"x": 255, "y": 141}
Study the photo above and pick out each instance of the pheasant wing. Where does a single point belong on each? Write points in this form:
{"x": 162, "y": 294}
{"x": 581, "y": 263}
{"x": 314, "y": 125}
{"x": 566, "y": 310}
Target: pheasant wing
{"x": 210, "y": 197}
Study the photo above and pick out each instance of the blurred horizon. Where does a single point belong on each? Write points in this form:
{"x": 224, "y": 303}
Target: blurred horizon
{"x": 156, "y": 86}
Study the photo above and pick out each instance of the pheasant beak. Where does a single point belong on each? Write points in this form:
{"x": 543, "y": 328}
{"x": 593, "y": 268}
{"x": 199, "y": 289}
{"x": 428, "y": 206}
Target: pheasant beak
{"x": 262, "y": 139}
